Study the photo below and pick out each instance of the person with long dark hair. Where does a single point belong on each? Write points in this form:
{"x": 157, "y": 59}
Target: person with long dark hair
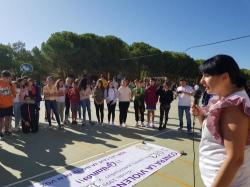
{"x": 111, "y": 97}
{"x": 98, "y": 95}
{"x": 68, "y": 85}
{"x": 85, "y": 92}
{"x": 225, "y": 142}
{"x": 166, "y": 97}
{"x": 139, "y": 93}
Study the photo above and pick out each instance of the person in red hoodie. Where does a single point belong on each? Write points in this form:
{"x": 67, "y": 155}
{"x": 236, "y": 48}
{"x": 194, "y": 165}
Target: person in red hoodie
{"x": 74, "y": 97}
{"x": 151, "y": 99}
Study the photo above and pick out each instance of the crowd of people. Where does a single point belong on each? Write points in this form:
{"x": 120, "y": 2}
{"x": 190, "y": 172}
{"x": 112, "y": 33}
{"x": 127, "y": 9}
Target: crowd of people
{"x": 21, "y": 98}
{"x": 225, "y": 141}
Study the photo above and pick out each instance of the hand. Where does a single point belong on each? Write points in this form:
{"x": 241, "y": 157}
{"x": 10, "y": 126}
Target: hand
{"x": 196, "y": 110}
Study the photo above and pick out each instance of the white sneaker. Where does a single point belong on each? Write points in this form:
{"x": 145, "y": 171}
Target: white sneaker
{"x": 142, "y": 124}
{"x": 124, "y": 125}
{"x": 153, "y": 125}
{"x": 137, "y": 124}
{"x": 148, "y": 125}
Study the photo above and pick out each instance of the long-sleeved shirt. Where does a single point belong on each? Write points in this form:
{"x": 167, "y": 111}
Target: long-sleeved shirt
{"x": 166, "y": 96}
{"x": 124, "y": 94}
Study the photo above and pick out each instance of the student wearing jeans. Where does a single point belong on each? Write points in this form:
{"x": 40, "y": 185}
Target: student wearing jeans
{"x": 17, "y": 104}
{"x": 85, "y": 92}
{"x": 60, "y": 98}
{"x": 124, "y": 96}
{"x": 111, "y": 97}
{"x": 184, "y": 93}
{"x": 98, "y": 95}
{"x": 49, "y": 92}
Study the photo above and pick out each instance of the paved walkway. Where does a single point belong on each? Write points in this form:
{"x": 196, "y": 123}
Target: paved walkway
{"x": 26, "y": 158}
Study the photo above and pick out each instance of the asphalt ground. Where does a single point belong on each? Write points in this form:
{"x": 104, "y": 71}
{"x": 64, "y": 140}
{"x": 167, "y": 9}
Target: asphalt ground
{"x": 27, "y": 158}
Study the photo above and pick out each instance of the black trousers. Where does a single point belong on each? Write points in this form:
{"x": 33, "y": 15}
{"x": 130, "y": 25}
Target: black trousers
{"x": 67, "y": 107}
{"x": 99, "y": 109}
{"x": 139, "y": 109}
{"x": 111, "y": 111}
{"x": 123, "y": 106}
{"x": 164, "y": 110}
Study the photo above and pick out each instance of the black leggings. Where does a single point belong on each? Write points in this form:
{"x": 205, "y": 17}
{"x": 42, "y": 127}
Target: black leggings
{"x": 164, "y": 110}
{"x": 123, "y": 106}
{"x": 139, "y": 109}
{"x": 111, "y": 110}
{"x": 99, "y": 109}
{"x": 67, "y": 107}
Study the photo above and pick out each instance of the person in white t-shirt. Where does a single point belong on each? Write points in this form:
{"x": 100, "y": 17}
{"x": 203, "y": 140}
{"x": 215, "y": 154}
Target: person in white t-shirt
{"x": 184, "y": 93}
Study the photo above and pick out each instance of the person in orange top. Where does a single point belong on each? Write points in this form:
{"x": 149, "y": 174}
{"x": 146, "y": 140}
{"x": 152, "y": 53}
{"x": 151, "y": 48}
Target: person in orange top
{"x": 7, "y": 94}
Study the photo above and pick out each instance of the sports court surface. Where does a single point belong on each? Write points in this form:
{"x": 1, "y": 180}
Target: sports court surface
{"x": 27, "y": 158}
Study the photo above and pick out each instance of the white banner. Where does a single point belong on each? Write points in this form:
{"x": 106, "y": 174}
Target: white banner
{"x": 124, "y": 168}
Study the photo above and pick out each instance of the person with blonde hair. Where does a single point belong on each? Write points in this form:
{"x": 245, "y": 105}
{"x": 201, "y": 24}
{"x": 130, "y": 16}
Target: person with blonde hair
{"x": 49, "y": 92}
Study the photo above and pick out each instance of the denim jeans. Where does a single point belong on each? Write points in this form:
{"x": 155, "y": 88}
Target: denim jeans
{"x": 60, "y": 108}
{"x": 85, "y": 104}
{"x": 181, "y": 110}
{"x": 52, "y": 105}
{"x": 17, "y": 113}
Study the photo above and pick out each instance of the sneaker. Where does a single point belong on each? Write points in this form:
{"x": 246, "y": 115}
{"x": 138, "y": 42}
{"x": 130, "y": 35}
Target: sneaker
{"x": 142, "y": 124}
{"x": 137, "y": 124}
{"x": 153, "y": 126}
{"x": 148, "y": 125}
{"x": 60, "y": 127}
{"x": 180, "y": 129}
{"x": 1, "y": 136}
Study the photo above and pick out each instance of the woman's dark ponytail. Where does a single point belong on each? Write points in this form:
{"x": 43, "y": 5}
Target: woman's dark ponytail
{"x": 241, "y": 81}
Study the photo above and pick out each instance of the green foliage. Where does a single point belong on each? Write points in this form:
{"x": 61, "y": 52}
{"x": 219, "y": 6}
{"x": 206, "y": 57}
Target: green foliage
{"x": 67, "y": 53}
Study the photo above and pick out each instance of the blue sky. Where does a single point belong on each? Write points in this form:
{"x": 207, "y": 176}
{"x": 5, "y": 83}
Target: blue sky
{"x": 172, "y": 25}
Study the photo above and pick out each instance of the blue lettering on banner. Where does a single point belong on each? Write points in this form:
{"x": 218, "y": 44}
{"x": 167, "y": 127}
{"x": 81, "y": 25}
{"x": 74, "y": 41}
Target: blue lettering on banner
{"x": 131, "y": 178}
{"x": 97, "y": 172}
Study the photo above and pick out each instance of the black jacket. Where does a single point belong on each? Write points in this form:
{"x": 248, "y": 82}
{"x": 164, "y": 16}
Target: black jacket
{"x": 166, "y": 97}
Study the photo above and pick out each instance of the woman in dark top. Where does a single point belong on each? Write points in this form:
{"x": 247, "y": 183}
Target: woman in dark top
{"x": 166, "y": 97}
{"x": 98, "y": 95}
